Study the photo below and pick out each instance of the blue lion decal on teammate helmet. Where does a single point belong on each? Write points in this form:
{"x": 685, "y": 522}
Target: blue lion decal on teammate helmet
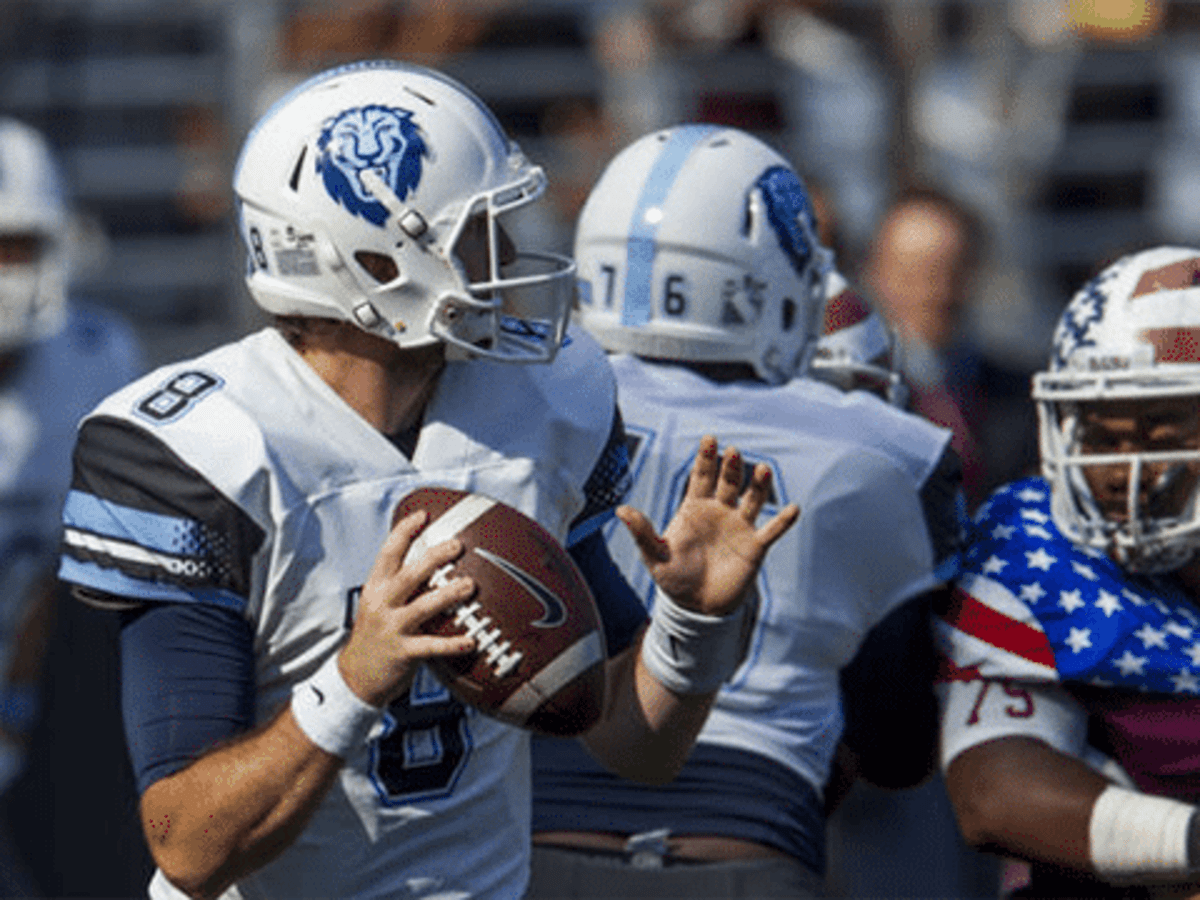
{"x": 787, "y": 201}
{"x": 381, "y": 138}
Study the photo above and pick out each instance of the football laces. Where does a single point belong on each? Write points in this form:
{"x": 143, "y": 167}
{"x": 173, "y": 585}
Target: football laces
{"x": 495, "y": 651}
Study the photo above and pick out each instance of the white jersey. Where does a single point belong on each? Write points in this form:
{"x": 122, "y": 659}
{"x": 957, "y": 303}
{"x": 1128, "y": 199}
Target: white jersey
{"x": 857, "y": 468}
{"x": 53, "y": 384}
{"x": 299, "y": 499}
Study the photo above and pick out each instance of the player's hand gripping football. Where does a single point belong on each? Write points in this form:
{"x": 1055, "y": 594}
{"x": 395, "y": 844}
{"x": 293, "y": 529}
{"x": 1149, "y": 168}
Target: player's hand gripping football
{"x": 709, "y": 555}
{"x": 386, "y": 644}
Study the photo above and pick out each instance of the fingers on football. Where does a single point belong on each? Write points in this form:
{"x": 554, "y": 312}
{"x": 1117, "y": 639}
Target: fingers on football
{"x": 434, "y": 602}
{"x": 399, "y": 539}
{"x": 416, "y": 575}
{"x": 652, "y": 547}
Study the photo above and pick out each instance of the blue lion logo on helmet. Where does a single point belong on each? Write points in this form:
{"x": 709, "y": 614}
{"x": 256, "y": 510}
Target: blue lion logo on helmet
{"x": 787, "y": 201}
{"x": 381, "y": 138}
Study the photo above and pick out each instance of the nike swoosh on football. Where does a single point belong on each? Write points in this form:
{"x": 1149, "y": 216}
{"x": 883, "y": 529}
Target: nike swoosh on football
{"x": 556, "y": 611}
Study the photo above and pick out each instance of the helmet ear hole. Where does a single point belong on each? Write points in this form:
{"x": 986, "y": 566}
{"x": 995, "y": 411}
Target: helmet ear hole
{"x": 379, "y": 266}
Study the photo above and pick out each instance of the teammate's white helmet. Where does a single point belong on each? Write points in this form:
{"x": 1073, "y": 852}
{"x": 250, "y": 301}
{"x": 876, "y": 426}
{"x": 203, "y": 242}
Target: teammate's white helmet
{"x": 857, "y": 349}
{"x": 1132, "y": 332}
{"x": 32, "y": 207}
{"x": 360, "y": 195}
{"x": 698, "y": 243}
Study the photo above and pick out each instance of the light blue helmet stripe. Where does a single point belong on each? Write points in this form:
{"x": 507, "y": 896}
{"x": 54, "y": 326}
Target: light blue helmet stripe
{"x": 643, "y": 235}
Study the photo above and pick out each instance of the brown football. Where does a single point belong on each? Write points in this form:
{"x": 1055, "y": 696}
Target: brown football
{"x": 539, "y": 657}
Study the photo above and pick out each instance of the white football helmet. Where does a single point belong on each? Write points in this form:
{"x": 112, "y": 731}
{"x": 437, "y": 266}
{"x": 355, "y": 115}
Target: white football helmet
{"x": 1132, "y": 332}
{"x": 32, "y": 208}
{"x": 857, "y": 349}
{"x": 378, "y": 193}
{"x": 698, "y": 243}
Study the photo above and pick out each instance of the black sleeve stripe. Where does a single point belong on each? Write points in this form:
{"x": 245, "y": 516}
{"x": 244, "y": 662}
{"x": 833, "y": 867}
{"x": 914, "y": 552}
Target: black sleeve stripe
{"x": 944, "y": 507}
{"x": 123, "y": 466}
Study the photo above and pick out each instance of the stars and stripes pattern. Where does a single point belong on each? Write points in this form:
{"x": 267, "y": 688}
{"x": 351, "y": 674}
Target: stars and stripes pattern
{"x": 1031, "y": 605}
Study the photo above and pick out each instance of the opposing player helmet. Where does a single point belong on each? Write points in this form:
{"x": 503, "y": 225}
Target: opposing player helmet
{"x": 857, "y": 349}
{"x": 33, "y": 224}
{"x": 698, "y": 243}
{"x": 383, "y": 193}
{"x": 1131, "y": 333}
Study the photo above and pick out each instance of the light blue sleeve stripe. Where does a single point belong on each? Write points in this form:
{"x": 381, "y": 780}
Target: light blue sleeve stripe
{"x": 117, "y": 583}
{"x": 642, "y": 246}
{"x": 154, "y": 531}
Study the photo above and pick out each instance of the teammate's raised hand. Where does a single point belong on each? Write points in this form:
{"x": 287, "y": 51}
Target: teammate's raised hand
{"x": 711, "y": 551}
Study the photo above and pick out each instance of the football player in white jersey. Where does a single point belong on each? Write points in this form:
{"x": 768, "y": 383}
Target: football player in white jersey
{"x": 700, "y": 271}
{"x": 1070, "y": 713}
{"x": 57, "y": 360}
{"x": 237, "y": 508}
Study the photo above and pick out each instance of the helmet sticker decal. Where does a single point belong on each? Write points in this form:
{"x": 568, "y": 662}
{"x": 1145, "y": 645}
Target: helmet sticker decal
{"x": 786, "y": 202}
{"x": 383, "y": 139}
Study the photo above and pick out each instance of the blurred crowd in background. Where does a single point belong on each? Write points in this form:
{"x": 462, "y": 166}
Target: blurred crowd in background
{"x": 974, "y": 162}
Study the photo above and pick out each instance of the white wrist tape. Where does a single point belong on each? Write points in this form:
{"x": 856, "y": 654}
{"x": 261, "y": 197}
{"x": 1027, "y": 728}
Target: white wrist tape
{"x": 688, "y": 652}
{"x": 1136, "y": 836}
{"x": 330, "y": 714}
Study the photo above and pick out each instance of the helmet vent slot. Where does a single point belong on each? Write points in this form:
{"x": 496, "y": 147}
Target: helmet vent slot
{"x": 294, "y": 181}
{"x": 420, "y": 96}
{"x": 789, "y": 314}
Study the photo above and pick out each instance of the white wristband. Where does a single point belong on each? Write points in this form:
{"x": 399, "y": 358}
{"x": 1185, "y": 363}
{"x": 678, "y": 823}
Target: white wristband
{"x": 330, "y": 714}
{"x": 1136, "y": 836}
{"x": 692, "y": 653}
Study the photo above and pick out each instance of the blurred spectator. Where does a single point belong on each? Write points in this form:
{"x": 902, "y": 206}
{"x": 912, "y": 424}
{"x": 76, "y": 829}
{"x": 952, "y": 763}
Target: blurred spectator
{"x": 921, "y": 269}
{"x": 57, "y": 359}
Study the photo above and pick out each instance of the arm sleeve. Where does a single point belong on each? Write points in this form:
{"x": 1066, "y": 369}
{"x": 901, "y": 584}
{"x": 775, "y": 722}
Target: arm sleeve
{"x": 888, "y": 700}
{"x": 620, "y": 609}
{"x": 187, "y": 684}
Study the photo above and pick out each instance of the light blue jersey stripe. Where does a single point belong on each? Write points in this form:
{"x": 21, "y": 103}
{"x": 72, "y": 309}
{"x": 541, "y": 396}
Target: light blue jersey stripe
{"x": 117, "y": 583}
{"x": 643, "y": 233}
{"x": 154, "y": 531}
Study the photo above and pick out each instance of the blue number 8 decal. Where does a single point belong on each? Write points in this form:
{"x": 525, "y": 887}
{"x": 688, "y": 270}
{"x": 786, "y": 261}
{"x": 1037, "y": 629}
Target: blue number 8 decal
{"x": 425, "y": 744}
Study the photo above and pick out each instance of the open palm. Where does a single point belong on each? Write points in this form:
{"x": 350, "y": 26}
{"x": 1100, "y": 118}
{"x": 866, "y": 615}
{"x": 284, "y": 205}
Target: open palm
{"x": 711, "y": 550}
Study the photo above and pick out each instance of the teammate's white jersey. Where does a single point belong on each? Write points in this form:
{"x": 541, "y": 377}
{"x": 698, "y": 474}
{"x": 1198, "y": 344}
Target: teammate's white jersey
{"x": 857, "y": 468}
{"x": 53, "y": 384}
{"x": 270, "y": 495}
